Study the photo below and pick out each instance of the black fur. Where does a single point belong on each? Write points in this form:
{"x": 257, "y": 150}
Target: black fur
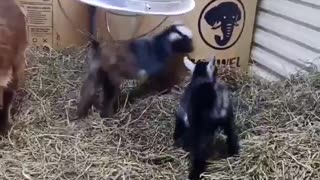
{"x": 8, "y": 96}
{"x": 198, "y": 103}
{"x": 153, "y": 53}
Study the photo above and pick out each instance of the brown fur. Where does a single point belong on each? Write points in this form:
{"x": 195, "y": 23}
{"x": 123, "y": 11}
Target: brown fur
{"x": 13, "y": 42}
{"x": 110, "y": 65}
{"x": 118, "y": 65}
{"x": 109, "y": 69}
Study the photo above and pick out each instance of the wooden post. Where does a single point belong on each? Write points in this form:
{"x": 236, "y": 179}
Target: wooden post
{"x": 1, "y": 97}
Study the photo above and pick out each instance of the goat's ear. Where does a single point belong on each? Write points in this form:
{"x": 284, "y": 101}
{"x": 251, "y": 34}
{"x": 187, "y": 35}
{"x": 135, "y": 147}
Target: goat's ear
{"x": 173, "y": 36}
{"x": 212, "y": 62}
{"x": 189, "y": 64}
{"x": 211, "y": 67}
{"x": 179, "y": 32}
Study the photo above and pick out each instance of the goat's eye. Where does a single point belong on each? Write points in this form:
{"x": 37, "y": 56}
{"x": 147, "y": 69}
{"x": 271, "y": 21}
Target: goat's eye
{"x": 224, "y": 17}
{"x": 233, "y": 17}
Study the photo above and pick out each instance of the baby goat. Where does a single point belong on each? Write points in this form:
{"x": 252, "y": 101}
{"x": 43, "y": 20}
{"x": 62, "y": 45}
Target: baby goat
{"x": 13, "y": 43}
{"x": 164, "y": 79}
{"x": 111, "y": 64}
{"x": 205, "y": 106}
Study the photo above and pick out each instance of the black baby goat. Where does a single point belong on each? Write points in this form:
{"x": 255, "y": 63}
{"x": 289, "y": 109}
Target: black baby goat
{"x": 205, "y": 106}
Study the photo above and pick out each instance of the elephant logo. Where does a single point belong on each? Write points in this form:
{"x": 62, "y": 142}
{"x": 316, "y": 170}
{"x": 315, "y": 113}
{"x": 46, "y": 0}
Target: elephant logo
{"x": 221, "y": 23}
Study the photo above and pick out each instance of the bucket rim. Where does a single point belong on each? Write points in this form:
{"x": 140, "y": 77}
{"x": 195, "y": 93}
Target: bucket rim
{"x": 142, "y": 7}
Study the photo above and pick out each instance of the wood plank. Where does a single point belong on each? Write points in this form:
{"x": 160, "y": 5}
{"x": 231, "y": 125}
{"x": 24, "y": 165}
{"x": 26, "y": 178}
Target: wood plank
{"x": 289, "y": 29}
{"x": 293, "y": 10}
{"x": 273, "y": 62}
{"x": 292, "y": 52}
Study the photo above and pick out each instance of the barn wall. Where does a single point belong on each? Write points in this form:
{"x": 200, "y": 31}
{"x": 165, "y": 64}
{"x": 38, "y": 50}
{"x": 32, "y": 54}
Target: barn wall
{"x": 287, "y": 38}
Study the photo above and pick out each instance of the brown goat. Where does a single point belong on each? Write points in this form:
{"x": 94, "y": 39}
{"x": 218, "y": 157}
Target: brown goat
{"x": 109, "y": 66}
{"x": 136, "y": 59}
{"x": 13, "y": 43}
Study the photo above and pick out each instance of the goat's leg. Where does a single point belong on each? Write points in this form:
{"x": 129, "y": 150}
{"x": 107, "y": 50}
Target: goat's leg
{"x": 163, "y": 82}
{"x": 18, "y": 80}
{"x": 110, "y": 94}
{"x": 199, "y": 155}
{"x": 198, "y": 166}
{"x": 161, "y": 85}
{"x": 87, "y": 95}
{"x": 16, "y": 103}
{"x": 232, "y": 136}
{"x": 178, "y": 131}
{"x": 8, "y": 96}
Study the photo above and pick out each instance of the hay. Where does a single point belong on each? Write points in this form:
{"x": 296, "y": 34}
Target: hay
{"x": 279, "y": 125}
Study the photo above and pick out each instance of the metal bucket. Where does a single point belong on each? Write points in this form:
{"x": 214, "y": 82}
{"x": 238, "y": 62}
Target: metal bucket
{"x": 144, "y": 7}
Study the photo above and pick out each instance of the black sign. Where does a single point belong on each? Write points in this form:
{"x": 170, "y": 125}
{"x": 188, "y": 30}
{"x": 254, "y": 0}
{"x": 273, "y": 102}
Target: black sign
{"x": 221, "y": 23}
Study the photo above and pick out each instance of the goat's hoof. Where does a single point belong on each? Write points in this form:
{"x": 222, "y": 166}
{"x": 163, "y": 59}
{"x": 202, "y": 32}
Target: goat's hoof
{"x": 107, "y": 111}
{"x": 177, "y": 144}
{"x": 81, "y": 114}
{"x": 105, "y": 114}
{"x": 79, "y": 117}
{"x": 194, "y": 177}
{"x": 5, "y": 129}
{"x": 97, "y": 105}
{"x": 233, "y": 152}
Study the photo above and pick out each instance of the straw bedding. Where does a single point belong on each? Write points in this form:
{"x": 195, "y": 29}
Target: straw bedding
{"x": 279, "y": 127}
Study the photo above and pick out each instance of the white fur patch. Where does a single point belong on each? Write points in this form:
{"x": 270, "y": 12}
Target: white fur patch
{"x": 183, "y": 30}
{"x": 174, "y": 36}
{"x": 183, "y": 115}
{"x": 211, "y": 68}
{"x": 186, "y": 31}
{"x": 223, "y": 113}
{"x": 225, "y": 96}
{"x": 222, "y": 101}
{"x": 142, "y": 75}
{"x": 5, "y": 78}
{"x": 185, "y": 119}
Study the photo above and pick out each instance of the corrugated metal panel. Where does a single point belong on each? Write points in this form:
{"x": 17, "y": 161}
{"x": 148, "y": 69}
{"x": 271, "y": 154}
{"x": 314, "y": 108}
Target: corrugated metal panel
{"x": 287, "y": 38}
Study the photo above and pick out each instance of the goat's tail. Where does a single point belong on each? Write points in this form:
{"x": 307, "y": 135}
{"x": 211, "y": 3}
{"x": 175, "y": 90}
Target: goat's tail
{"x": 93, "y": 26}
{"x": 92, "y": 20}
{"x": 202, "y": 99}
